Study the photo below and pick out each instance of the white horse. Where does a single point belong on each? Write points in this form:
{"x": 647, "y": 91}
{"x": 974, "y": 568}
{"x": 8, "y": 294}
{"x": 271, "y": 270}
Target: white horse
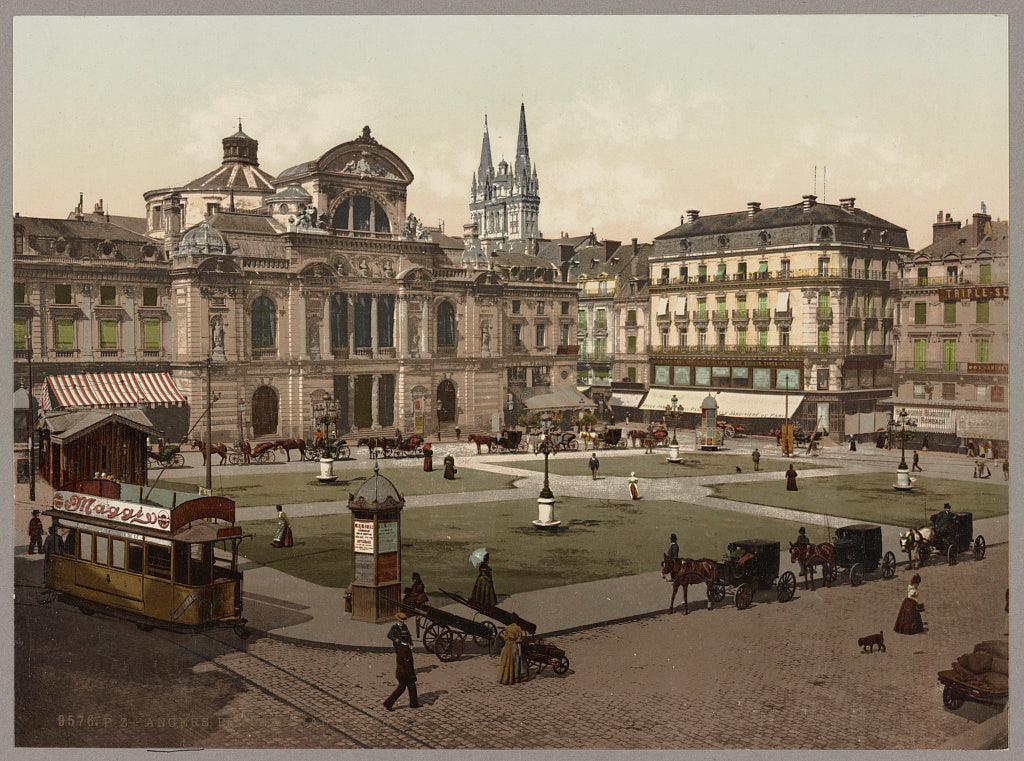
{"x": 919, "y": 541}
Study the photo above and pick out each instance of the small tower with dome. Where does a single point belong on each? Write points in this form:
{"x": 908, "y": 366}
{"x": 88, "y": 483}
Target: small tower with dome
{"x": 376, "y": 548}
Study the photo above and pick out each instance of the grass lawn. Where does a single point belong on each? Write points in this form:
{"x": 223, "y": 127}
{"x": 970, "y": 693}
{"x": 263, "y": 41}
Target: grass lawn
{"x": 870, "y": 497}
{"x": 598, "y": 539}
{"x": 291, "y": 487}
{"x": 655, "y": 465}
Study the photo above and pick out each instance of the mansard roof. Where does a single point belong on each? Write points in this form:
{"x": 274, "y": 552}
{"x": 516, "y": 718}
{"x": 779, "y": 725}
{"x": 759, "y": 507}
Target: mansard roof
{"x": 961, "y": 242}
{"x": 79, "y": 229}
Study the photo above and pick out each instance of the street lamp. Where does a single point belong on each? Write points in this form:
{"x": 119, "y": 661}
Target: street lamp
{"x": 903, "y": 427}
{"x": 546, "y": 501}
{"x": 241, "y": 422}
{"x": 440, "y": 409}
{"x": 672, "y": 411}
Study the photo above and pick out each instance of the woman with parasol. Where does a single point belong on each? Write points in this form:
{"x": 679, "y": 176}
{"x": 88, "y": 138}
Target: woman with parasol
{"x": 483, "y": 591}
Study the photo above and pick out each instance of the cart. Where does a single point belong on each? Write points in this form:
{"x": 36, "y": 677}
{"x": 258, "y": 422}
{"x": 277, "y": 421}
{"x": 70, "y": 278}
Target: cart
{"x": 858, "y": 550}
{"x": 731, "y": 429}
{"x": 566, "y": 440}
{"x": 168, "y": 457}
{"x": 611, "y": 438}
{"x": 493, "y": 611}
{"x": 336, "y": 449}
{"x": 752, "y": 565}
{"x": 956, "y": 690}
{"x": 445, "y": 635}
{"x": 510, "y": 440}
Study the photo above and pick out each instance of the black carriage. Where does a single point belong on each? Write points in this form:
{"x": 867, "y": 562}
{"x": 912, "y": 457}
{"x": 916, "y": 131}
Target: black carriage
{"x": 168, "y": 457}
{"x": 510, "y": 440}
{"x": 336, "y": 449}
{"x": 858, "y": 550}
{"x": 957, "y": 537}
{"x": 751, "y": 565}
{"x": 566, "y": 440}
{"x": 612, "y": 438}
{"x": 445, "y": 635}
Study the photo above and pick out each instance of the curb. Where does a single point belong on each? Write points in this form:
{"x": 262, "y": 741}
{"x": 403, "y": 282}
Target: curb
{"x": 991, "y": 734}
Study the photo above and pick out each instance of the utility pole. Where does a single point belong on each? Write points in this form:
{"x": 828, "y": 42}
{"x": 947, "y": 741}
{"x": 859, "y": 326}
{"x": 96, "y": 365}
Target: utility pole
{"x": 31, "y": 430}
{"x": 209, "y": 424}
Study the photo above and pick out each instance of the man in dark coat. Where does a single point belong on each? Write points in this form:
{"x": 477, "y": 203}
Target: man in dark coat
{"x": 673, "y": 547}
{"x": 791, "y": 479}
{"x": 943, "y": 522}
{"x": 594, "y": 465}
{"x": 405, "y": 673}
{"x": 35, "y": 534}
{"x": 756, "y": 457}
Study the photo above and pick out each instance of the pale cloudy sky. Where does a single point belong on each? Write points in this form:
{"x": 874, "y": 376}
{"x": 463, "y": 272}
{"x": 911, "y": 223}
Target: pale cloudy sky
{"x": 632, "y": 120}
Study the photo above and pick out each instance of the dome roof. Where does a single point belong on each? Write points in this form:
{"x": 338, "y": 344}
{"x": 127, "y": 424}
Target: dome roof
{"x": 709, "y": 403}
{"x": 290, "y": 193}
{"x": 474, "y": 255}
{"x": 378, "y": 490}
{"x": 201, "y": 239}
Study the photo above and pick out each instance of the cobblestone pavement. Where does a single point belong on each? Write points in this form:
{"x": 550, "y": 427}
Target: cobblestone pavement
{"x": 777, "y": 675}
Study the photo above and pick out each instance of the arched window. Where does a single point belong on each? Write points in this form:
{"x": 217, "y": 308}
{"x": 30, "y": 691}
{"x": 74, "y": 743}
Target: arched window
{"x": 339, "y": 321}
{"x": 263, "y": 323}
{"x": 361, "y": 213}
{"x": 264, "y": 411}
{"x": 446, "y": 324}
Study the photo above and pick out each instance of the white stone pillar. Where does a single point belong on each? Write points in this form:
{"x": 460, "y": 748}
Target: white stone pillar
{"x": 350, "y": 325}
{"x": 87, "y": 321}
{"x": 129, "y": 322}
{"x": 303, "y": 349}
{"x": 403, "y": 326}
{"x": 326, "y": 351}
{"x": 351, "y": 402}
{"x": 374, "y": 340}
{"x": 424, "y": 328}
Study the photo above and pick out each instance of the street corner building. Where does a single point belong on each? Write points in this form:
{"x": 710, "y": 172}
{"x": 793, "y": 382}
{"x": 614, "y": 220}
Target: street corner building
{"x": 295, "y": 291}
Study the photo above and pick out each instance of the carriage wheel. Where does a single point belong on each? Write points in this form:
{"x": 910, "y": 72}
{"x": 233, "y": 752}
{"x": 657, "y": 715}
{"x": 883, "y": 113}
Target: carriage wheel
{"x": 267, "y": 456}
{"x": 729, "y": 431}
{"x": 177, "y": 460}
{"x": 562, "y": 666}
{"x": 951, "y": 698}
{"x": 573, "y": 444}
{"x": 856, "y": 575}
{"x": 888, "y": 565}
{"x": 786, "y": 587}
{"x": 449, "y": 645}
{"x": 430, "y": 635}
{"x": 344, "y": 452}
{"x": 716, "y": 592}
{"x": 492, "y": 632}
{"x": 951, "y": 554}
{"x": 744, "y": 596}
{"x": 235, "y": 458}
{"x": 979, "y": 547}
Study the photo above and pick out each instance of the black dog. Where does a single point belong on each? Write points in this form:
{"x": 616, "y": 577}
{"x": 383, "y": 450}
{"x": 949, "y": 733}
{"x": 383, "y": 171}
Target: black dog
{"x": 867, "y": 644}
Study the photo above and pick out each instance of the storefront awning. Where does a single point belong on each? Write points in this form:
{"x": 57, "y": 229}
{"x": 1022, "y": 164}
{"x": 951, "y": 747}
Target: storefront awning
{"x": 660, "y": 398}
{"x": 110, "y": 390}
{"x": 562, "y": 398}
{"x": 626, "y": 398}
{"x": 734, "y": 404}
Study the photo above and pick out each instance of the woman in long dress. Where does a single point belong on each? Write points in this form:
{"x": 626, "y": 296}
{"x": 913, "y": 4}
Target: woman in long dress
{"x": 283, "y": 537}
{"x": 909, "y": 619}
{"x": 483, "y": 591}
{"x": 513, "y": 667}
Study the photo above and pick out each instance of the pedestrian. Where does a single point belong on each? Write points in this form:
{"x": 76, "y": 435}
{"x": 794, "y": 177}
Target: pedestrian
{"x": 801, "y": 538}
{"x": 283, "y": 537}
{"x": 417, "y": 593}
{"x": 917, "y": 464}
{"x": 989, "y": 452}
{"x": 52, "y": 545}
{"x": 756, "y": 457}
{"x": 449, "y": 467}
{"x": 1006, "y": 469}
{"x": 673, "y": 547}
{"x": 594, "y": 465}
{"x": 981, "y": 470}
{"x": 649, "y": 439}
{"x": 428, "y": 458}
{"x": 483, "y": 590}
{"x": 35, "y": 534}
{"x": 791, "y": 479}
{"x": 909, "y": 619}
{"x": 458, "y": 433}
{"x": 405, "y": 672}
{"x": 634, "y": 488}
{"x": 513, "y": 667}
{"x": 971, "y": 451}
{"x": 853, "y": 444}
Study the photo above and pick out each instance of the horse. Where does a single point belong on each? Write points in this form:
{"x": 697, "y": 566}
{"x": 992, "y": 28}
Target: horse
{"x": 684, "y": 572}
{"x": 637, "y": 437}
{"x": 409, "y": 444}
{"x": 289, "y": 444}
{"x": 589, "y": 439}
{"x": 373, "y": 443}
{"x": 811, "y": 555}
{"x": 919, "y": 541}
{"x": 221, "y": 449}
{"x": 481, "y": 440}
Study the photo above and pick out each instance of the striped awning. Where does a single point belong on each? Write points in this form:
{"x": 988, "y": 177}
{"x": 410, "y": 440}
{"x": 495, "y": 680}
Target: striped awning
{"x": 110, "y": 390}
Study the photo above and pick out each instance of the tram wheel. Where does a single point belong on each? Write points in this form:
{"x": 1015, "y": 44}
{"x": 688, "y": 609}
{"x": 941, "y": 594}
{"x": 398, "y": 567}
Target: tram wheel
{"x": 144, "y": 627}
{"x": 85, "y": 610}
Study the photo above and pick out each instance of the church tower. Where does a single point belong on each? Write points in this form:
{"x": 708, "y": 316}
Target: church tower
{"x": 504, "y": 203}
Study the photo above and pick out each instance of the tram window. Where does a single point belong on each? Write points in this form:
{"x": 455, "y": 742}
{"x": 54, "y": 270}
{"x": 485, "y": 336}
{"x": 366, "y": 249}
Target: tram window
{"x": 69, "y": 542}
{"x": 158, "y": 561}
{"x": 85, "y": 546}
{"x": 102, "y": 545}
{"x": 202, "y": 564}
{"x": 135, "y": 557}
{"x": 180, "y": 563}
{"x": 117, "y": 553}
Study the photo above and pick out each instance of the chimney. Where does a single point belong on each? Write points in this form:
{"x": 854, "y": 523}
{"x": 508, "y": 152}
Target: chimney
{"x": 636, "y": 248}
{"x": 610, "y": 247}
{"x": 691, "y": 215}
{"x": 981, "y": 220}
{"x": 565, "y": 252}
{"x": 942, "y": 229}
{"x": 809, "y": 202}
{"x": 98, "y": 208}
{"x": 847, "y": 203}
{"x": 753, "y": 207}
{"x": 79, "y": 213}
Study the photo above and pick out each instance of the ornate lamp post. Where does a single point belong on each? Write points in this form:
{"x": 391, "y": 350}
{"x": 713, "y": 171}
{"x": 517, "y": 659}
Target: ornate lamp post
{"x": 903, "y": 427}
{"x": 672, "y": 411}
{"x": 546, "y": 501}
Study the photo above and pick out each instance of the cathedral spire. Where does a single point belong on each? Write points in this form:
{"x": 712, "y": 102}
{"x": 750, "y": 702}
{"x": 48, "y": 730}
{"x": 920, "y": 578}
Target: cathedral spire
{"x": 486, "y": 167}
{"x": 523, "y": 146}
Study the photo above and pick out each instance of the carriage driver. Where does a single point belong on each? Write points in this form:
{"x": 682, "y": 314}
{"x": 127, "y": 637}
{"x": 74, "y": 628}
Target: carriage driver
{"x": 740, "y": 555}
{"x": 943, "y": 522}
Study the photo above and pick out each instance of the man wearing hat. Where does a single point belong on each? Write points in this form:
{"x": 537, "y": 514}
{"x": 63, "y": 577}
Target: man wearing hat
{"x": 943, "y": 522}
{"x": 801, "y": 538}
{"x": 673, "y": 547}
{"x": 404, "y": 671}
{"x": 35, "y": 534}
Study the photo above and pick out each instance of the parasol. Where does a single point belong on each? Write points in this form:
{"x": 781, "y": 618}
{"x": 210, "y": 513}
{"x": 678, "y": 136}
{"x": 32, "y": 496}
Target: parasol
{"x": 476, "y": 557}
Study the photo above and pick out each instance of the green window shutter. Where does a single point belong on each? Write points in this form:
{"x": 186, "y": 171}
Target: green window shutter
{"x": 631, "y": 374}
{"x": 985, "y": 273}
{"x": 949, "y": 355}
{"x": 741, "y": 338}
{"x": 920, "y": 350}
{"x": 108, "y": 334}
{"x": 823, "y": 341}
{"x": 631, "y": 345}
{"x": 762, "y": 303}
{"x": 19, "y": 335}
{"x": 152, "y": 335}
{"x": 64, "y": 334}
{"x": 762, "y": 339}
{"x": 982, "y": 355}
{"x": 920, "y": 313}
{"x": 741, "y": 304}
{"x": 600, "y": 318}
{"x": 702, "y": 308}
{"x": 762, "y": 267}
{"x": 823, "y": 305}
{"x": 722, "y": 311}
{"x": 982, "y": 311}
{"x": 582, "y": 320}
{"x": 949, "y": 311}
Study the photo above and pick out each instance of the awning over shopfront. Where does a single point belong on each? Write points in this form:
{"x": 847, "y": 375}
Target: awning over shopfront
{"x": 110, "y": 390}
{"x": 660, "y": 398}
{"x": 730, "y": 403}
{"x": 783, "y": 303}
{"x": 626, "y": 398}
{"x": 561, "y": 398}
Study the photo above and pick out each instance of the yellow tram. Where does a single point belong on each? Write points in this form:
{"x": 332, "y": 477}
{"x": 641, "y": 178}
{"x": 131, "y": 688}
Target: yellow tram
{"x": 148, "y": 555}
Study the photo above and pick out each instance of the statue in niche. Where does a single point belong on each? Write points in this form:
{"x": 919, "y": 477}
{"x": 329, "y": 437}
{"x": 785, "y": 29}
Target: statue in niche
{"x": 364, "y": 270}
{"x": 485, "y": 340}
{"x": 218, "y": 337}
{"x": 313, "y": 333}
{"x": 340, "y": 267}
{"x": 388, "y": 271}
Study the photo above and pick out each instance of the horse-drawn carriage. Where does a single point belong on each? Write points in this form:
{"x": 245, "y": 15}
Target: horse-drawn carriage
{"x": 565, "y": 440}
{"x": 949, "y": 534}
{"x": 383, "y": 446}
{"x": 858, "y": 550}
{"x": 336, "y": 449}
{"x": 169, "y": 457}
{"x": 511, "y": 440}
{"x": 244, "y": 453}
{"x": 611, "y": 438}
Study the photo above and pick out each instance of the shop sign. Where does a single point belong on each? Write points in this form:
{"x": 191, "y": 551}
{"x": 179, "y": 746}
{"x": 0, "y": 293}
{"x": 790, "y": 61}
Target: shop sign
{"x": 995, "y": 368}
{"x": 975, "y": 293}
{"x": 932, "y": 419}
{"x": 129, "y": 513}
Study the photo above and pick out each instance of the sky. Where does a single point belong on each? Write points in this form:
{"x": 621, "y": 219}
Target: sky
{"x": 632, "y": 119}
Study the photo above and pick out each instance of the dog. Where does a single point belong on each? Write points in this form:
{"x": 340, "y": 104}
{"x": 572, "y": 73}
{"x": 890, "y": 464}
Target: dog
{"x": 739, "y": 469}
{"x": 867, "y": 644}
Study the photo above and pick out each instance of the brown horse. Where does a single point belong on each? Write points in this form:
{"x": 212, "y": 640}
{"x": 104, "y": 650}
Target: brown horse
{"x": 683, "y": 572}
{"x": 811, "y": 555}
{"x": 636, "y": 438}
{"x": 480, "y": 440}
{"x": 221, "y": 449}
{"x": 289, "y": 444}
{"x": 375, "y": 443}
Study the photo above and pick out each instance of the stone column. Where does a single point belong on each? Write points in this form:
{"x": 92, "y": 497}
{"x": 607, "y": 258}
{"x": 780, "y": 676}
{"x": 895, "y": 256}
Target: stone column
{"x": 374, "y": 402}
{"x": 130, "y": 337}
{"x": 374, "y": 340}
{"x": 303, "y": 349}
{"x": 424, "y": 328}
{"x": 351, "y": 402}
{"x": 87, "y": 321}
{"x": 403, "y": 326}
{"x": 350, "y": 325}
{"x": 326, "y": 350}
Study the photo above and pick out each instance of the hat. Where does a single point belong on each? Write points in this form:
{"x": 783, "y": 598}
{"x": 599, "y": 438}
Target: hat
{"x": 35, "y": 512}
{"x": 947, "y": 506}
{"x": 401, "y": 616}
{"x": 672, "y": 538}
{"x": 802, "y": 530}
